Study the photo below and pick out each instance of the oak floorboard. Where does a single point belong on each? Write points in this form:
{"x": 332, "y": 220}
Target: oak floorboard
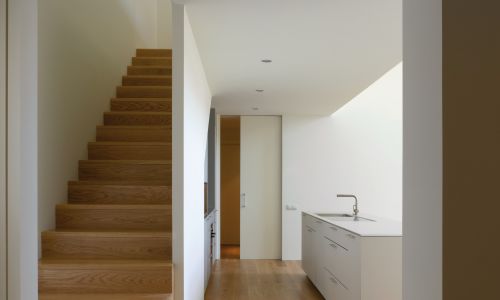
{"x": 260, "y": 279}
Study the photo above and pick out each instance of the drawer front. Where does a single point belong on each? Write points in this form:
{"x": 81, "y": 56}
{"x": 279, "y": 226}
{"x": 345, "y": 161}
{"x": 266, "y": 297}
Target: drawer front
{"x": 334, "y": 288}
{"x": 317, "y": 224}
{"x": 341, "y": 236}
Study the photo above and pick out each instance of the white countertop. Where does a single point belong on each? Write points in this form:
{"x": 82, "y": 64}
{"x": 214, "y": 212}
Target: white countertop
{"x": 378, "y": 227}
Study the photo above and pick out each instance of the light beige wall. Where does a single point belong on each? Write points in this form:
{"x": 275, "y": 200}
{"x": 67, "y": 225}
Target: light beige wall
{"x": 164, "y": 30}
{"x": 84, "y": 48}
{"x": 230, "y": 180}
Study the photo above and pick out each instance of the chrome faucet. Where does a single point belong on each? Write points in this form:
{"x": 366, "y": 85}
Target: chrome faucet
{"x": 355, "y": 207}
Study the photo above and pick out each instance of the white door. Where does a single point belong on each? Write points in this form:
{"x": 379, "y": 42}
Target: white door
{"x": 260, "y": 228}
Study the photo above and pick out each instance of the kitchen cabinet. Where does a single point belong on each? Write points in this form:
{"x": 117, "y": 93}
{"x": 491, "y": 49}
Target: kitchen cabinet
{"x": 347, "y": 265}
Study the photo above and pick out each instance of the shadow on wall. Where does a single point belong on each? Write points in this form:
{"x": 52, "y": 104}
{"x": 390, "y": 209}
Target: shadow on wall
{"x": 84, "y": 47}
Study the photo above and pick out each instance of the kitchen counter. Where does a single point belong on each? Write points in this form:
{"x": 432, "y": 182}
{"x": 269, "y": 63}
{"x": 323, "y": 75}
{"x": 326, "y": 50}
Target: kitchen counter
{"x": 379, "y": 227}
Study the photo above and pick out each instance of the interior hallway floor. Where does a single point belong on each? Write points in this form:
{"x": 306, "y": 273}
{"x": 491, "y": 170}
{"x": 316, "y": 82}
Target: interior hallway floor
{"x": 259, "y": 279}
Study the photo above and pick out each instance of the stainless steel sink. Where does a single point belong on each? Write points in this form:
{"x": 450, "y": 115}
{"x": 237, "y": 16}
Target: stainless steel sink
{"x": 335, "y": 215}
{"x": 344, "y": 217}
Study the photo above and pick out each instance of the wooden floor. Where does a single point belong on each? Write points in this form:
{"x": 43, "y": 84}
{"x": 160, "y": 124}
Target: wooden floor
{"x": 230, "y": 251}
{"x": 259, "y": 279}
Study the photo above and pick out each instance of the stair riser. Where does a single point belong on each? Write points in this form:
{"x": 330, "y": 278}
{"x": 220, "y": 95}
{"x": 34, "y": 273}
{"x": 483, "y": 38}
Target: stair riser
{"x": 114, "y": 219}
{"x": 134, "y": 134}
{"x": 112, "y": 280}
{"x": 146, "y": 81}
{"x": 134, "y": 70}
{"x": 141, "y": 105}
{"x": 111, "y": 194}
{"x": 138, "y": 119}
{"x": 143, "y": 92}
{"x": 129, "y": 152}
{"x": 154, "y": 52}
{"x": 68, "y": 245}
{"x": 152, "y": 61}
{"x": 92, "y": 170}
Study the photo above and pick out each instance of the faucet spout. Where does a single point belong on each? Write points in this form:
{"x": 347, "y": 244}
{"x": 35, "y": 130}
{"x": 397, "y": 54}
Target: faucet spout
{"x": 355, "y": 207}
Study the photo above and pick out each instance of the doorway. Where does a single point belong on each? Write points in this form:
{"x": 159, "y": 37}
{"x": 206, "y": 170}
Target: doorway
{"x": 250, "y": 176}
{"x": 230, "y": 186}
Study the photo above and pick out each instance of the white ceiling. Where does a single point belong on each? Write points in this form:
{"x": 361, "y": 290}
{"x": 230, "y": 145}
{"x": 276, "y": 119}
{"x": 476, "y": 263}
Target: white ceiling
{"x": 324, "y": 52}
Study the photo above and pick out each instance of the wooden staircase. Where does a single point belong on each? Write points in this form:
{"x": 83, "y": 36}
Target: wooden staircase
{"x": 113, "y": 239}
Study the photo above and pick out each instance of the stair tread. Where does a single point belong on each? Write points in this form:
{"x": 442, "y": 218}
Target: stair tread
{"x": 148, "y": 76}
{"x": 69, "y": 263}
{"x": 104, "y": 233}
{"x": 141, "y": 99}
{"x": 131, "y": 143}
{"x": 138, "y": 113}
{"x": 106, "y": 296}
{"x": 144, "y": 87}
{"x": 114, "y": 206}
{"x": 151, "y": 67}
{"x": 119, "y": 183}
{"x": 119, "y": 161}
{"x": 165, "y": 127}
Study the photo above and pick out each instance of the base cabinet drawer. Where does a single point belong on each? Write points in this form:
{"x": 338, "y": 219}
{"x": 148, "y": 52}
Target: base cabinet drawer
{"x": 333, "y": 288}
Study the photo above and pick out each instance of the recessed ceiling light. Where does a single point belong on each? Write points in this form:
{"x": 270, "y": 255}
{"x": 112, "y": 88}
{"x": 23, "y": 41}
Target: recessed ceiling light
{"x": 255, "y": 108}
{"x": 258, "y": 90}
{"x": 266, "y": 61}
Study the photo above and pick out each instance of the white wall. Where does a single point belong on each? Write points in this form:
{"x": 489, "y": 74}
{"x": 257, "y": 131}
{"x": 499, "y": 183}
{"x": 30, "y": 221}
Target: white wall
{"x": 422, "y": 156}
{"x": 3, "y": 151}
{"x": 22, "y": 150}
{"x": 356, "y": 150}
{"x": 84, "y": 49}
{"x": 191, "y": 111}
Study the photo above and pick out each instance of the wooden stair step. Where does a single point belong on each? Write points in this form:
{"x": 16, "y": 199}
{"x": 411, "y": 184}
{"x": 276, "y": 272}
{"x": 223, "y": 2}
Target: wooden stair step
{"x": 130, "y": 150}
{"x": 144, "y": 92}
{"x": 146, "y": 80}
{"x": 114, "y": 217}
{"x": 134, "y": 133}
{"x": 106, "y": 297}
{"x": 151, "y": 61}
{"x": 104, "y": 276}
{"x": 107, "y": 245}
{"x": 154, "y": 52}
{"x": 149, "y": 70}
{"x": 138, "y": 118}
{"x": 142, "y": 104}
{"x": 121, "y": 192}
{"x": 127, "y": 170}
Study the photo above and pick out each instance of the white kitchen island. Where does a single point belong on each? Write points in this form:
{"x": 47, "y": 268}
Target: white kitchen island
{"x": 353, "y": 260}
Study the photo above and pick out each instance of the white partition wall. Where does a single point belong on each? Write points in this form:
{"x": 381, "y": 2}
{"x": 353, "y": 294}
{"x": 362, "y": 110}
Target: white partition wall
{"x": 190, "y": 116}
{"x": 22, "y": 149}
{"x": 3, "y": 145}
{"x": 422, "y": 150}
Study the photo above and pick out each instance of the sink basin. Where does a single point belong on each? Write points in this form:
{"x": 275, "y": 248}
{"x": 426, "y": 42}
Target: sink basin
{"x": 344, "y": 217}
{"x": 335, "y": 215}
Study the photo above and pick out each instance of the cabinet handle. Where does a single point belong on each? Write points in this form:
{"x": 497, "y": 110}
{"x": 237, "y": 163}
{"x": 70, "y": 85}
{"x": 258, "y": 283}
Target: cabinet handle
{"x": 334, "y": 246}
{"x": 333, "y": 280}
{"x": 334, "y": 228}
{"x": 310, "y": 230}
{"x": 352, "y": 236}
